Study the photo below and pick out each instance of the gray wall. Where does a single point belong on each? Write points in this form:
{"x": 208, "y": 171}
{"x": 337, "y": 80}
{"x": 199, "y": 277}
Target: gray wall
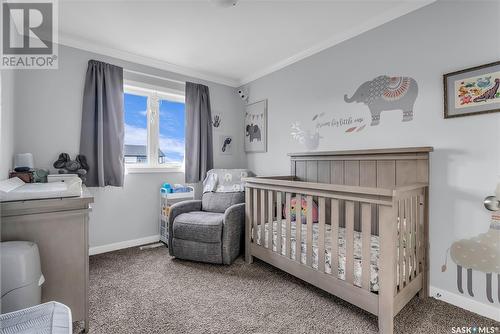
{"x": 6, "y": 122}
{"x": 48, "y": 117}
{"x": 425, "y": 44}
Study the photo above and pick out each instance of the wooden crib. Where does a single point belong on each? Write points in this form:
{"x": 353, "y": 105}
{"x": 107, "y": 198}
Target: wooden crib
{"x": 361, "y": 196}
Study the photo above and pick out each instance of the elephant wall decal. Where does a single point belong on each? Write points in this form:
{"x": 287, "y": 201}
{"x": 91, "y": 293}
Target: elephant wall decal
{"x": 387, "y": 93}
{"x": 253, "y": 131}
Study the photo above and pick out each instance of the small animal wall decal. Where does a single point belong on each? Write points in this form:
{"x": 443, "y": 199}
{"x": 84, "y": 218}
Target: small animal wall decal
{"x": 217, "y": 120}
{"x": 481, "y": 253}
{"x": 225, "y": 144}
{"x": 309, "y": 138}
{"x": 387, "y": 93}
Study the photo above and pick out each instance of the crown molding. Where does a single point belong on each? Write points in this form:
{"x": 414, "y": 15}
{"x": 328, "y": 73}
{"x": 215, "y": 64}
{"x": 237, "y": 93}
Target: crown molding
{"x": 144, "y": 60}
{"x": 379, "y": 20}
{"x": 339, "y": 38}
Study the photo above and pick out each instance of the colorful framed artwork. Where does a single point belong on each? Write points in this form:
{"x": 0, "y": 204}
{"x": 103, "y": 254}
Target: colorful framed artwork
{"x": 472, "y": 91}
{"x": 256, "y": 127}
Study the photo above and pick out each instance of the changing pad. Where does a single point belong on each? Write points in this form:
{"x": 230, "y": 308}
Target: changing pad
{"x": 15, "y": 189}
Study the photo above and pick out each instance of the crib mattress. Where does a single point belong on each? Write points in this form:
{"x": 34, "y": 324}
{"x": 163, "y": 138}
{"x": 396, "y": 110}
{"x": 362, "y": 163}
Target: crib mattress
{"x": 374, "y": 242}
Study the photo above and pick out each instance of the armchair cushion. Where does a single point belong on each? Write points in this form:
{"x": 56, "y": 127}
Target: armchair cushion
{"x": 199, "y": 226}
{"x": 219, "y": 202}
{"x": 176, "y": 210}
{"x": 233, "y": 232}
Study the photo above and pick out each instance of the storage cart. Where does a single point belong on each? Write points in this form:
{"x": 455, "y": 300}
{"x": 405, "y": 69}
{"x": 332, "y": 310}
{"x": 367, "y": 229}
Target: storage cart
{"x": 166, "y": 201}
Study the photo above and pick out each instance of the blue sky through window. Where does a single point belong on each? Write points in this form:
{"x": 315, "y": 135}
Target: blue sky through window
{"x": 172, "y": 130}
{"x": 171, "y": 119}
{"x": 136, "y": 128}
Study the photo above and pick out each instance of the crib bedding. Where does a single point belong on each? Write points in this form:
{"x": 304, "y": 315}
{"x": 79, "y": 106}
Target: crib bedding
{"x": 328, "y": 258}
{"x": 374, "y": 243}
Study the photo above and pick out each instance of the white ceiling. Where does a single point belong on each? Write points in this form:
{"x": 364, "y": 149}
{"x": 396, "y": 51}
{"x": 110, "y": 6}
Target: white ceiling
{"x": 232, "y": 45}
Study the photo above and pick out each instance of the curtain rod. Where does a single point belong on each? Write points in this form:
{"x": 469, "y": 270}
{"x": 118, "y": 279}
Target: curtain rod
{"x": 154, "y": 76}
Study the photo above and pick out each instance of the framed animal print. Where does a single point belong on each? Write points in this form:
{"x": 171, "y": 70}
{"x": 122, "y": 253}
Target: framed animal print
{"x": 256, "y": 127}
{"x": 472, "y": 91}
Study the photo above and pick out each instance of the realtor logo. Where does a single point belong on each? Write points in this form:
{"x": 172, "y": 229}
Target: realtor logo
{"x": 29, "y": 34}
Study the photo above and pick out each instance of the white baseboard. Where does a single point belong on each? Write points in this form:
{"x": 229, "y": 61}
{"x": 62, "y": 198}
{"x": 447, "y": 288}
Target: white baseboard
{"x": 123, "y": 244}
{"x": 489, "y": 311}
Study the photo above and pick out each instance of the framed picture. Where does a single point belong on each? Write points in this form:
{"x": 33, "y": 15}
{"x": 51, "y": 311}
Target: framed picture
{"x": 226, "y": 144}
{"x": 256, "y": 127}
{"x": 472, "y": 91}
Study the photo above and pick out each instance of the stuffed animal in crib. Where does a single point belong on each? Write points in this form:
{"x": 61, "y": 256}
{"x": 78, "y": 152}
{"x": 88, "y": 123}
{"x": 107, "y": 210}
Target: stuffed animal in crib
{"x": 293, "y": 205}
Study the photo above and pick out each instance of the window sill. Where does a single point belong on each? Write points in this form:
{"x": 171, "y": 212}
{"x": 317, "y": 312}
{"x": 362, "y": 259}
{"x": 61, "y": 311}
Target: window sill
{"x": 150, "y": 169}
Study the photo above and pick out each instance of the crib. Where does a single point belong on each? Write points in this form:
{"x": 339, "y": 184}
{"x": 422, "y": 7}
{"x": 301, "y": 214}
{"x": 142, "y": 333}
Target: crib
{"x": 364, "y": 234}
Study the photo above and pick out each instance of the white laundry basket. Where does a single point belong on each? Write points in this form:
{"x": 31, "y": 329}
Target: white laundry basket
{"x": 48, "y": 318}
{"x": 21, "y": 275}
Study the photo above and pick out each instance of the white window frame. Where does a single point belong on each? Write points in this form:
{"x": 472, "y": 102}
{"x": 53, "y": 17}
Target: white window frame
{"x": 154, "y": 94}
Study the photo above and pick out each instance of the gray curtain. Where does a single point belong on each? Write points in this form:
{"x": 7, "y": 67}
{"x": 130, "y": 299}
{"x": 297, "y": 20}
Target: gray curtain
{"x": 101, "y": 139}
{"x": 199, "y": 150}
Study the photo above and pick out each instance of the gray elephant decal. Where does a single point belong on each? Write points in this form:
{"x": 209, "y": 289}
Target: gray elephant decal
{"x": 387, "y": 93}
{"x": 254, "y": 132}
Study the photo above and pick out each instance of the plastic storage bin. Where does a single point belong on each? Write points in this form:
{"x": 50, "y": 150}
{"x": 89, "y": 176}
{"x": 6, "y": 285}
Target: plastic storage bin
{"x": 22, "y": 277}
{"x": 168, "y": 198}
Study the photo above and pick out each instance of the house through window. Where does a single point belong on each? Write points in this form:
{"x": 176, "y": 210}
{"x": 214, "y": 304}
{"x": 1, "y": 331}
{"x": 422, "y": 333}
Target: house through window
{"x": 154, "y": 128}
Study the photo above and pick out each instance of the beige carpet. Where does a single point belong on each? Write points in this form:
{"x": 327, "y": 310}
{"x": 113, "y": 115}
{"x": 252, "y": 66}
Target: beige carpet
{"x": 133, "y": 291}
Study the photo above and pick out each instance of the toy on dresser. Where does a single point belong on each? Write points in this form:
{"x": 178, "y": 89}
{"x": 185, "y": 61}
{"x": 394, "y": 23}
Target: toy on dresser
{"x": 24, "y": 169}
{"x": 78, "y": 166}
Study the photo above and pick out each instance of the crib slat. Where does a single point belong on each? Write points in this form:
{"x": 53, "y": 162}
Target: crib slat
{"x": 366, "y": 217}
{"x": 401, "y": 244}
{"x": 298, "y": 228}
{"x": 335, "y": 237}
{"x": 410, "y": 239}
{"x": 321, "y": 234}
{"x": 278, "y": 219}
{"x": 417, "y": 236}
{"x": 414, "y": 208}
{"x": 349, "y": 241}
{"x": 248, "y": 224}
{"x": 422, "y": 234}
{"x": 255, "y": 216}
{"x": 407, "y": 241}
{"x": 288, "y": 242}
{"x": 309, "y": 239}
{"x": 270, "y": 218}
{"x": 263, "y": 218}
{"x": 411, "y": 246}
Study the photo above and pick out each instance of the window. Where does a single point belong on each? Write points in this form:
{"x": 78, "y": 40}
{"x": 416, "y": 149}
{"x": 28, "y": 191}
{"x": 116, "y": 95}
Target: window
{"x": 154, "y": 129}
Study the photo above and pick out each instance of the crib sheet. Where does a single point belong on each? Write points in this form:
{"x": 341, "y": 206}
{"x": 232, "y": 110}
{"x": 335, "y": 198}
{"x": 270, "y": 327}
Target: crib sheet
{"x": 374, "y": 243}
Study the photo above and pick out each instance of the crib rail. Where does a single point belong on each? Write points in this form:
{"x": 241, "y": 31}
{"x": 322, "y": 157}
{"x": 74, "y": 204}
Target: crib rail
{"x": 328, "y": 243}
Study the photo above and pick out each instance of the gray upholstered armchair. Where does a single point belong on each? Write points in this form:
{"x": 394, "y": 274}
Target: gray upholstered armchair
{"x": 208, "y": 230}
